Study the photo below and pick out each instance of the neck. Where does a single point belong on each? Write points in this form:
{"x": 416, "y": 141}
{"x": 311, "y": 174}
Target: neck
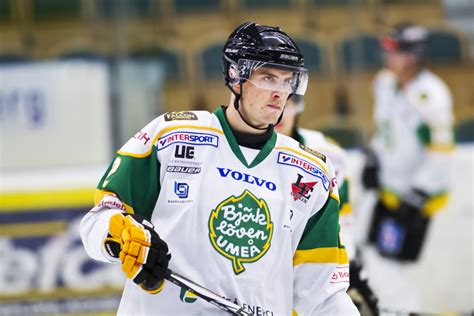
{"x": 407, "y": 76}
{"x": 250, "y": 140}
{"x": 236, "y": 122}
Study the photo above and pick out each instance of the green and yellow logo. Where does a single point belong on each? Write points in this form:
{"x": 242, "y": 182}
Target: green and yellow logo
{"x": 240, "y": 229}
{"x": 187, "y": 297}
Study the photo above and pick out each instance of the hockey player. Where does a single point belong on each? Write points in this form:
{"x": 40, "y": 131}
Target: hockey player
{"x": 225, "y": 201}
{"x": 411, "y": 145}
{"x": 316, "y": 140}
{"x": 409, "y": 160}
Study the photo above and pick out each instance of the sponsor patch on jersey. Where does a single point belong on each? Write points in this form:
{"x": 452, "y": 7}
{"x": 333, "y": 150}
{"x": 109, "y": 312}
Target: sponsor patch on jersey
{"x": 187, "y": 162}
{"x": 180, "y": 116}
{"x": 109, "y": 201}
{"x": 180, "y": 191}
{"x": 306, "y": 166}
{"x": 183, "y": 169}
{"x": 197, "y": 139}
{"x": 313, "y": 152}
{"x": 142, "y": 137}
{"x": 340, "y": 275}
{"x": 245, "y": 177}
{"x": 240, "y": 229}
{"x": 184, "y": 152}
{"x": 302, "y": 190}
{"x": 257, "y": 310}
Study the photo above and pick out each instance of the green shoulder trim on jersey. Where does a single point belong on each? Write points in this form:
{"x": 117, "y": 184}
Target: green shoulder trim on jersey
{"x": 266, "y": 150}
{"x": 423, "y": 133}
{"x": 344, "y": 192}
{"x": 295, "y": 134}
{"x": 136, "y": 182}
{"x": 322, "y": 228}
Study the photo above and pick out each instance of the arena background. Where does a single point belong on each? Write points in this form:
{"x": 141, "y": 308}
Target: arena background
{"x": 80, "y": 77}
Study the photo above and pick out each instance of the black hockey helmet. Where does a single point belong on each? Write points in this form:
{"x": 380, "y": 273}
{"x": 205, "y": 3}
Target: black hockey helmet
{"x": 252, "y": 45}
{"x": 406, "y": 37}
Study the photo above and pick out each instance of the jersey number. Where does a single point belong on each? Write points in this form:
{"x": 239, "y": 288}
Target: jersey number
{"x": 114, "y": 168}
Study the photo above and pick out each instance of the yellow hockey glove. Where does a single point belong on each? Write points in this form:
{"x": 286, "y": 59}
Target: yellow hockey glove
{"x": 143, "y": 254}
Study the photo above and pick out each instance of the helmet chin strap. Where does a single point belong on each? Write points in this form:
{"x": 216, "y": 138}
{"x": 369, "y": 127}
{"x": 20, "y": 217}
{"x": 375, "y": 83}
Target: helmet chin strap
{"x": 237, "y": 104}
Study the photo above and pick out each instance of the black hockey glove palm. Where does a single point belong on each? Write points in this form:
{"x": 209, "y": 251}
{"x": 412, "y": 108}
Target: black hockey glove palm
{"x": 413, "y": 203}
{"x": 401, "y": 233}
{"x": 371, "y": 169}
{"x": 143, "y": 254}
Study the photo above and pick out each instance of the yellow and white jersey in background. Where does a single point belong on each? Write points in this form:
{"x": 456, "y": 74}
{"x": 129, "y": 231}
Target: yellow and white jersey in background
{"x": 414, "y": 137}
{"x": 338, "y": 157}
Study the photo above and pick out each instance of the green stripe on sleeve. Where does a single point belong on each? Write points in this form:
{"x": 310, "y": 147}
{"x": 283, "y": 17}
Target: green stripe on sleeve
{"x": 423, "y": 133}
{"x": 344, "y": 192}
{"x": 322, "y": 229}
{"x": 136, "y": 181}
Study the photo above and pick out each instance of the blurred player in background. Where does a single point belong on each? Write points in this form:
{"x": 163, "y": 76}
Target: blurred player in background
{"x": 243, "y": 211}
{"x": 409, "y": 159}
{"x": 316, "y": 140}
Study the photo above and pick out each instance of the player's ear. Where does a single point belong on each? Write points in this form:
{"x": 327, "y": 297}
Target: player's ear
{"x": 237, "y": 88}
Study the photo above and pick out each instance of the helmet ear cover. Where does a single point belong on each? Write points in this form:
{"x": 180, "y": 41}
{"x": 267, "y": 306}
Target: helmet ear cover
{"x": 233, "y": 74}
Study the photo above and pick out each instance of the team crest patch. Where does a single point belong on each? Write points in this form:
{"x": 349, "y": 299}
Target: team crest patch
{"x": 240, "y": 229}
{"x": 180, "y": 116}
{"x": 313, "y": 152}
{"x": 302, "y": 190}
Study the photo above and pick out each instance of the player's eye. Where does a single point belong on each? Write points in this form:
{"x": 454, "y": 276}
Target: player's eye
{"x": 287, "y": 82}
{"x": 268, "y": 78}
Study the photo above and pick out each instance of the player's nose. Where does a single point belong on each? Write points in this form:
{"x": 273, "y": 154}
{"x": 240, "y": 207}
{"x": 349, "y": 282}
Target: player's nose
{"x": 277, "y": 94}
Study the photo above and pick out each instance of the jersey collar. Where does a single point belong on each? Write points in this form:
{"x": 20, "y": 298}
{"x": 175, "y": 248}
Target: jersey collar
{"x": 264, "y": 152}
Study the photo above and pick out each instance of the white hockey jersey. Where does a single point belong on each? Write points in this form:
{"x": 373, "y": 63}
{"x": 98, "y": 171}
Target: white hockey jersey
{"x": 337, "y": 156}
{"x": 414, "y": 137}
{"x": 263, "y": 233}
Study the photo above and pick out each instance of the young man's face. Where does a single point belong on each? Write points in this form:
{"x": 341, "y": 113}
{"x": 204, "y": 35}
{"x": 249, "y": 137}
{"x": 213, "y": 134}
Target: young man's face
{"x": 264, "y": 95}
{"x": 400, "y": 63}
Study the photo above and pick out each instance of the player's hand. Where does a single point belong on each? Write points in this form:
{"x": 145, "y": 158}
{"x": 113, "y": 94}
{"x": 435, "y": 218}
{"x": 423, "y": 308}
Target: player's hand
{"x": 359, "y": 291}
{"x": 370, "y": 172}
{"x": 143, "y": 254}
{"x": 401, "y": 235}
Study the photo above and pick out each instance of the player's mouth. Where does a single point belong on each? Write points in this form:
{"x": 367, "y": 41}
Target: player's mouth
{"x": 274, "y": 107}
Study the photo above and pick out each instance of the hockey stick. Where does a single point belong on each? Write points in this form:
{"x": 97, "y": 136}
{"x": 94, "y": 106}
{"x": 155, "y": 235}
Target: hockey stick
{"x": 206, "y": 294}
